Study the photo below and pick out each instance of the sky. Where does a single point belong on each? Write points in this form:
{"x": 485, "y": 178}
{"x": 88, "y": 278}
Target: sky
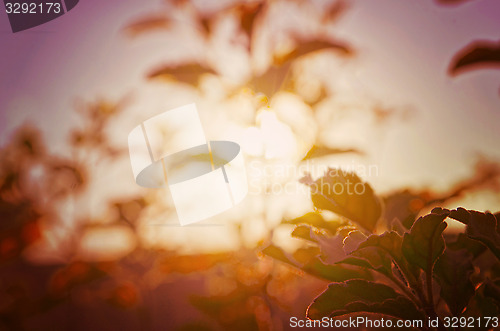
{"x": 403, "y": 52}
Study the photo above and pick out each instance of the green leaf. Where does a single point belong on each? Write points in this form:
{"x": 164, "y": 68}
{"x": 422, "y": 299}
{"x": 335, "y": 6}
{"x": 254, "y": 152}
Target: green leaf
{"x": 320, "y": 151}
{"x": 353, "y": 240}
{"x": 303, "y": 232}
{"x": 335, "y": 11}
{"x": 483, "y": 303}
{"x": 345, "y": 194}
{"x": 332, "y": 247}
{"x": 248, "y": 15}
{"x": 464, "y": 242}
{"x": 271, "y": 81}
{"x": 372, "y": 258}
{"x": 306, "y": 46}
{"x": 361, "y": 296}
{"x": 315, "y": 267}
{"x": 187, "y": 73}
{"x": 390, "y": 242}
{"x": 480, "y": 226}
{"x": 492, "y": 290}
{"x": 452, "y": 271}
{"x": 405, "y": 206}
{"x": 362, "y": 262}
{"x": 425, "y": 243}
{"x": 397, "y": 226}
{"x": 380, "y": 250}
{"x": 305, "y": 254}
{"x": 277, "y": 253}
{"x": 318, "y": 221}
{"x": 333, "y": 273}
{"x": 148, "y": 24}
{"x": 476, "y": 55}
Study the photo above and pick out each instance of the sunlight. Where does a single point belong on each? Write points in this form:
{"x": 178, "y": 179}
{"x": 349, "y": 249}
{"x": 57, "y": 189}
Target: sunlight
{"x": 271, "y": 138}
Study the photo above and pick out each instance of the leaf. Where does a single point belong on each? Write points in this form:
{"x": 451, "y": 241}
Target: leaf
{"x": 129, "y": 210}
{"x": 332, "y": 247}
{"x": 205, "y": 22}
{"x": 425, "y": 243}
{"x": 483, "y": 303}
{"x": 452, "y": 271}
{"x": 353, "y": 240}
{"x": 390, "y": 242}
{"x": 278, "y": 75}
{"x": 318, "y": 221}
{"x": 305, "y": 254}
{"x": 188, "y": 73}
{"x": 333, "y": 273}
{"x": 148, "y": 24}
{"x": 206, "y": 19}
{"x": 464, "y": 242}
{"x": 335, "y": 11}
{"x": 370, "y": 258}
{"x": 248, "y": 13}
{"x": 492, "y": 289}
{"x": 476, "y": 55}
{"x": 377, "y": 253}
{"x": 358, "y": 262}
{"x": 306, "y": 46}
{"x": 405, "y": 206}
{"x": 480, "y": 226}
{"x": 378, "y": 250}
{"x": 320, "y": 151}
{"x": 346, "y": 195}
{"x": 303, "y": 232}
{"x": 277, "y": 253}
{"x": 270, "y": 81}
{"x": 315, "y": 267}
{"x": 361, "y": 296}
{"x": 397, "y": 226}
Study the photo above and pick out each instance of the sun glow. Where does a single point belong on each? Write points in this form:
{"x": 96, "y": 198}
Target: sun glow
{"x": 271, "y": 138}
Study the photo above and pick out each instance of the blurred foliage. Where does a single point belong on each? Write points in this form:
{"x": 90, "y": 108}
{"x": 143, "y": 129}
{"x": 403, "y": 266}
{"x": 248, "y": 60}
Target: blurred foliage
{"x": 362, "y": 207}
{"x": 377, "y": 255}
{"x": 476, "y": 55}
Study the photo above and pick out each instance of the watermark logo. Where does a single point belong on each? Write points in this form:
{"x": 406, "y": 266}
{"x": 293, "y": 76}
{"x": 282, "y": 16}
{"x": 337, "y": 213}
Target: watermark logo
{"x": 26, "y": 14}
{"x": 205, "y": 178}
{"x": 291, "y": 179}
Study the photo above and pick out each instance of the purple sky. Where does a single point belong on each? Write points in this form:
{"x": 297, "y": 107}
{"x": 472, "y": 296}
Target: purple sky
{"x": 404, "y": 50}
